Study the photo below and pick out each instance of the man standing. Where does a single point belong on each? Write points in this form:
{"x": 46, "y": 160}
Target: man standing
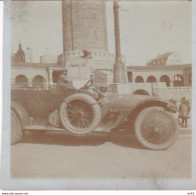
{"x": 184, "y": 111}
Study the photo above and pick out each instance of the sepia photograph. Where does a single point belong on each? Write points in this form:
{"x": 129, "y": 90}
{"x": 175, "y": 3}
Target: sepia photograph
{"x": 99, "y": 95}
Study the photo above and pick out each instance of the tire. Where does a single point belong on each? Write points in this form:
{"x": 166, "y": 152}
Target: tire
{"x": 16, "y": 129}
{"x": 80, "y": 114}
{"x": 156, "y": 129}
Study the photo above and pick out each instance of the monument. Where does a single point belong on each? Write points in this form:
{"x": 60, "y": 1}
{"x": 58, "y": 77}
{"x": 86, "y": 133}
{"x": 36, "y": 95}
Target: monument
{"x": 85, "y": 31}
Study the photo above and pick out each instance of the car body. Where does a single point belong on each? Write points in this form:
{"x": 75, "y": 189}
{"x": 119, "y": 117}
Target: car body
{"x": 89, "y": 109}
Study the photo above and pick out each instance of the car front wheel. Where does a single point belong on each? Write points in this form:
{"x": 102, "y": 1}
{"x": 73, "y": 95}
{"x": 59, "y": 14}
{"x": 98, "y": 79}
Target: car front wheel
{"x": 80, "y": 114}
{"x": 156, "y": 129}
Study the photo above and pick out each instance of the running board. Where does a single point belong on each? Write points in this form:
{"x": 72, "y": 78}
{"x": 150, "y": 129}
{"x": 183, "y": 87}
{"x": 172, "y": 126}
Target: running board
{"x": 51, "y": 128}
{"x": 44, "y": 128}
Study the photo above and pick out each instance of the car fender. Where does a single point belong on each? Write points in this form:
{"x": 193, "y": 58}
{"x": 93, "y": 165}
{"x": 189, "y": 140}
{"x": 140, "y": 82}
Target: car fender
{"x": 145, "y": 104}
{"x": 121, "y": 102}
{"x": 22, "y": 114}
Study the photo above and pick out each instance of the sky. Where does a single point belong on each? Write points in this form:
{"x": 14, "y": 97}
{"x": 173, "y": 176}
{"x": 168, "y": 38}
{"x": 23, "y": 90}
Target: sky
{"x": 147, "y": 28}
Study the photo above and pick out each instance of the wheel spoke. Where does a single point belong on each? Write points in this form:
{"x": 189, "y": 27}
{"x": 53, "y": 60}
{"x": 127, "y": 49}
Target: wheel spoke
{"x": 79, "y": 121}
{"x": 73, "y": 108}
{"x": 72, "y": 118}
{"x": 87, "y": 122}
{"x": 83, "y": 123}
{"x": 86, "y": 114}
{"x": 80, "y": 114}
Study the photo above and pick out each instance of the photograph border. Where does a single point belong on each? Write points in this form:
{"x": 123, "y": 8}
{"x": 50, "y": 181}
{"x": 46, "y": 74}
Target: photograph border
{"x": 83, "y": 184}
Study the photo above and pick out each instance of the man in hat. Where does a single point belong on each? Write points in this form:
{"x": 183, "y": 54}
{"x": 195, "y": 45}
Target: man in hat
{"x": 63, "y": 80}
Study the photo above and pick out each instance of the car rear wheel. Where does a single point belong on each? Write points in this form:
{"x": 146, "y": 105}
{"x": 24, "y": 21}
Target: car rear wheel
{"x": 156, "y": 129}
{"x": 80, "y": 114}
{"x": 16, "y": 129}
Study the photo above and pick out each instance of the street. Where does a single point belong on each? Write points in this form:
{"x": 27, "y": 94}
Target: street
{"x": 64, "y": 156}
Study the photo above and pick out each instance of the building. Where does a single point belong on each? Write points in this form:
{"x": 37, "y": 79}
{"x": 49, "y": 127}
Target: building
{"x": 19, "y": 56}
{"x": 85, "y": 50}
{"x": 32, "y": 74}
{"x": 166, "y": 81}
{"x": 172, "y": 76}
{"x": 84, "y": 25}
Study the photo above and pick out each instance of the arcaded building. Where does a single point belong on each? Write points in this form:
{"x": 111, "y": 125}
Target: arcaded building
{"x": 172, "y": 76}
{"x": 167, "y": 68}
{"x": 85, "y": 50}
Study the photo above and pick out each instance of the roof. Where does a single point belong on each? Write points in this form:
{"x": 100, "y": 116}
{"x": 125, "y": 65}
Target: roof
{"x": 174, "y": 67}
{"x": 163, "y": 56}
{"x": 104, "y": 71}
{"x": 160, "y": 58}
{"x": 35, "y": 65}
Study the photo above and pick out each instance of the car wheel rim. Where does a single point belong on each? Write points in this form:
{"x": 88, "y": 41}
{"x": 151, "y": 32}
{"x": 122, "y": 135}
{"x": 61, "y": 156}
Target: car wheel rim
{"x": 80, "y": 114}
{"x": 157, "y": 128}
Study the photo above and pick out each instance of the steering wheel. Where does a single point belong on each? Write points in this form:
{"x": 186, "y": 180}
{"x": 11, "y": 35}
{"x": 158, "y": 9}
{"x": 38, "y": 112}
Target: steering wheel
{"x": 88, "y": 84}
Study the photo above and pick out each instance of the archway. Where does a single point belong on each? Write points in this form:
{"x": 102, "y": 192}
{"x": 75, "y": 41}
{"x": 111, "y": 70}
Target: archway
{"x": 141, "y": 92}
{"x": 139, "y": 79}
{"x": 178, "y": 80}
{"x": 38, "y": 81}
{"x": 166, "y": 79}
{"x": 21, "y": 81}
{"x": 151, "y": 79}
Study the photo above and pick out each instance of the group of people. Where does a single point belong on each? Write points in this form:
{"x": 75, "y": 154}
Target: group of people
{"x": 183, "y": 110}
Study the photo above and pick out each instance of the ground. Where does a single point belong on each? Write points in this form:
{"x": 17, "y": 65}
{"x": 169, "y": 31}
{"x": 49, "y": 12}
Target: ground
{"x": 65, "y": 156}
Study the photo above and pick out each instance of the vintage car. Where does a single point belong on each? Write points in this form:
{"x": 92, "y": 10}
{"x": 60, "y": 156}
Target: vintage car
{"x": 92, "y": 109}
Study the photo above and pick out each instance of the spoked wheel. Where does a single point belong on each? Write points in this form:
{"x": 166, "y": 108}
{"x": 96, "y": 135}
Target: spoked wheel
{"x": 156, "y": 129}
{"x": 16, "y": 129}
{"x": 80, "y": 114}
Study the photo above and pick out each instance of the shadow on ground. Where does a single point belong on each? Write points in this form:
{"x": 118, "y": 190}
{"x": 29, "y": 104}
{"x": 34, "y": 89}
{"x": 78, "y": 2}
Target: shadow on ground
{"x": 90, "y": 140}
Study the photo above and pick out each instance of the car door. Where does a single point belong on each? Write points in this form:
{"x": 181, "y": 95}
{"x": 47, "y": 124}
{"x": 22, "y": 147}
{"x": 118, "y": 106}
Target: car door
{"x": 39, "y": 102}
{"x": 59, "y": 93}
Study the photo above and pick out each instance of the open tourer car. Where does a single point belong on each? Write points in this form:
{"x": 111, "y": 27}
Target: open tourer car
{"x": 90, "y": 109}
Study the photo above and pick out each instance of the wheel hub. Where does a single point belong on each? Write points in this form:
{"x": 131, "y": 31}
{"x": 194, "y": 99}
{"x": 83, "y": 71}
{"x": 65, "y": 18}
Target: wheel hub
{"x": 80, "y": 114}
{"x": 156, "y": 128}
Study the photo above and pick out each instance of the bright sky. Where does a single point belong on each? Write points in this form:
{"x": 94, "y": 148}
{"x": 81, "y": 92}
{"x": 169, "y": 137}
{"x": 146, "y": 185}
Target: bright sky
{"x": 147, "y": 28}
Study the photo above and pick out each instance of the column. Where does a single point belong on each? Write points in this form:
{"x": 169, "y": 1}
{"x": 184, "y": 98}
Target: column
{"x": 171, "y": 83}
{"x": 30, "y": 82}
{"x": 50, "y": 81}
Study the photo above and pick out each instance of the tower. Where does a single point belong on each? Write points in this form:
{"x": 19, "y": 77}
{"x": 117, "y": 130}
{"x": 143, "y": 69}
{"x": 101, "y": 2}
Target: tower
{"x": 20, "y": 55}
{"x": 85, "y": 32}
{"x": 84, "y": 25}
